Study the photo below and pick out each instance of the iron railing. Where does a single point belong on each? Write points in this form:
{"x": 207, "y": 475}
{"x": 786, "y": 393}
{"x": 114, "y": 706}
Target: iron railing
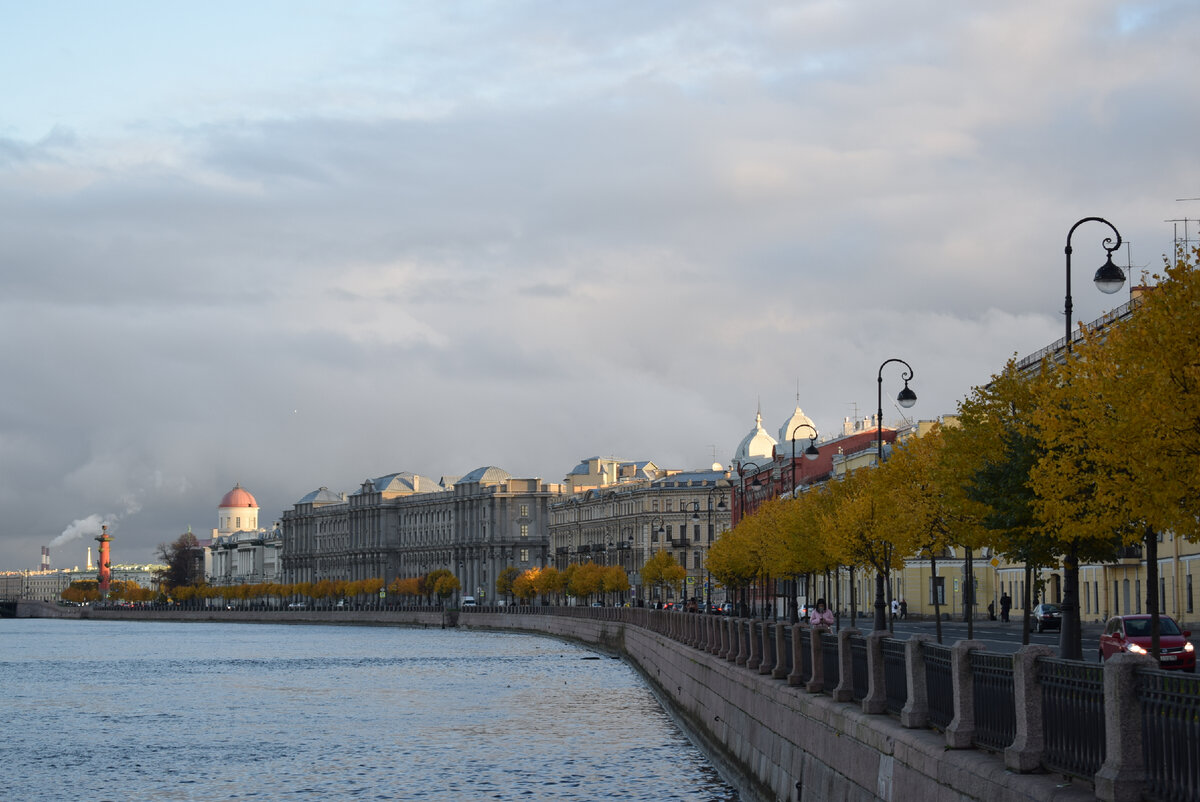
{"x": 938, "y": 681}
{"x": 895, "y": 675}
{"x": 1170, "y": 733}
{"x": 860, "y": 677}
{"x": 995, "y": 699}
{"x": 1072, "y": 715}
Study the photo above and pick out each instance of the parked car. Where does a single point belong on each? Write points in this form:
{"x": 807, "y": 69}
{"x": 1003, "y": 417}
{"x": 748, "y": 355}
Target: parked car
{"x": 1045, "y": 616}
{"x": 1131, "y": 633}
{"x": 469, "y": 601}
{"x": 298, "y": 606}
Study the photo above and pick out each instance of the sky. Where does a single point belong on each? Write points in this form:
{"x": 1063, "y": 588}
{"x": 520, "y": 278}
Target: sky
{"x": 301, "y": 244}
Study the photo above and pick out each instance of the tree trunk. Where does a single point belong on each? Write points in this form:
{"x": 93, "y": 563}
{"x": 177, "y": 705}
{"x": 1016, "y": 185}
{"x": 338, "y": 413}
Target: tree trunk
{"x": 937, "y": 604}
{"x": 1070, "y": 643}
{"x": 1025, "y": 597}
{"x": 969, "y": 595}
{"x": 1152, "y": 606}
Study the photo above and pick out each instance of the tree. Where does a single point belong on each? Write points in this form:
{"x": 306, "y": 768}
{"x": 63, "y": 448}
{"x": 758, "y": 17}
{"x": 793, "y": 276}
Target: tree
{"x": 1122, "y": 430}
{"x": 82, "y": 591}
{"x": 614, "y": 579}
{"x": 180, "y": 557}
{"x": 663, "y": 570}
{"x": 525, "y": 585}
{"x": 445, "y": 585}
{"x": 504, "y": 582}
{"x": 585, "y": 579}
{"x": 986, "y": 470}
{"x": 549, "y": 581}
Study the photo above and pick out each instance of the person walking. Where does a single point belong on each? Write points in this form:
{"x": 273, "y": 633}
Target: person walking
{"x": 1005, "y": 606}
{"x": 895, "y": 609}
{"x": 821, "y": 616}
{"x": 904, "y": 609}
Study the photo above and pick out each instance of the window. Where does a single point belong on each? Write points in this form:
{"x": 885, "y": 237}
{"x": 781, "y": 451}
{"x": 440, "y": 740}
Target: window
{"x": 239, "y": 522}
{"x": 696, "y": 559}
{"x": 653, "y": 533}
{"x": 696, "y": 532}
{"x": 1162, "y": 593}
{"x": 937, "y": 590}
{"x": 524, "y": 530}
{"x": 524, "y": 555}
{"x": 524, "y": 510}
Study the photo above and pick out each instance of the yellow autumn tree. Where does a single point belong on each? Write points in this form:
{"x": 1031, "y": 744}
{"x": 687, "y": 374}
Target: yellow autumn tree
{"x": 663, "y": 570}
{"x": 1121, "y": 425}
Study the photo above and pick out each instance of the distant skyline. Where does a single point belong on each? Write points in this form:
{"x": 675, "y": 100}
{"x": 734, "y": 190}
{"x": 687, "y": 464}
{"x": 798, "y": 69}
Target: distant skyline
{"x": 300, "y": 245}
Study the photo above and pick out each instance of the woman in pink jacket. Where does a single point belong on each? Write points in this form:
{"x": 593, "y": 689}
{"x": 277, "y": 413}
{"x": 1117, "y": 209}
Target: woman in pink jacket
{"x": 821, "y": 617}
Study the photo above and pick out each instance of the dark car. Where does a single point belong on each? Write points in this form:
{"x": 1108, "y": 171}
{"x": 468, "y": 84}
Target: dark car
{"x": 1131, "y": 633}
{"x": 1046, "y": 616}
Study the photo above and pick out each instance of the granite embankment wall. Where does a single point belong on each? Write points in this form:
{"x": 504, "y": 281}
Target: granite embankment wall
{"x": 781, "y": 743}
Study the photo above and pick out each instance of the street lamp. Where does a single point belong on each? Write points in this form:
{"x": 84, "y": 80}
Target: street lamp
{"x": 721, "y": 506}
{"x": 906, "y": 399}
{"x": 810, "y": 453}
{"x": 659, "y": 531}
{"x": 1109, "y": 277}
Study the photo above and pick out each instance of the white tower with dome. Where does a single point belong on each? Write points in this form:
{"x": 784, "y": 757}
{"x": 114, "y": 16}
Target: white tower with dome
{"x": 237, "y": 512}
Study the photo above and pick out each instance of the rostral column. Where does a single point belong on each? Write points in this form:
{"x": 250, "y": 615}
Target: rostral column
{"x": 105, "y": 562}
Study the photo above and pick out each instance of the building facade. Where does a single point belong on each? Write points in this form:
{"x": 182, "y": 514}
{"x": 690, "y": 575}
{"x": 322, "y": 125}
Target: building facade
{"x": 240, "y": 552}
{"x": 407, "y": 525}
{"x": 640, "y": 510}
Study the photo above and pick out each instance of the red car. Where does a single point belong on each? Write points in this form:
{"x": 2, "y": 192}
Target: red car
{"x": 1131, "y": 633}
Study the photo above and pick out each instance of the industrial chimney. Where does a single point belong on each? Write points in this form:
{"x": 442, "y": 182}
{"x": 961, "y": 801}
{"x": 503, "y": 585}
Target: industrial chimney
{"x": 45, "y": 566}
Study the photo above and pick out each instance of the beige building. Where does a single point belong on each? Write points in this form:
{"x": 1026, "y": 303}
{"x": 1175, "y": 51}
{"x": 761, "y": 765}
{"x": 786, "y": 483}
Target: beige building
{"x": 642, "y": 509}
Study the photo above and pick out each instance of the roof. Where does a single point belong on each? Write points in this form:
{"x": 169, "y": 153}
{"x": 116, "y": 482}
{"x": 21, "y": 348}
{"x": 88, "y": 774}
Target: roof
{"x": 488, "y": 474}
{"x": 238, "y": 497}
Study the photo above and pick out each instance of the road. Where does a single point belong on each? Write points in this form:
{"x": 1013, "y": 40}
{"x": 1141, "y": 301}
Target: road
{"x": 997, "y": 636}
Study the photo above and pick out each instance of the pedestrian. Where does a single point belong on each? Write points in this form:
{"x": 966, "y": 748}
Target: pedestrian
{"x": 904, "y": 609}
{"x": 821, "y": 617}
{"x": 1005, "y": 606}
{"x": 991, "y": 611}
{"x": 895, "y": 609}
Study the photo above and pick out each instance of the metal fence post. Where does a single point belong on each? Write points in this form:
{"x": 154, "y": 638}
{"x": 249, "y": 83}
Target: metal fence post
{"x": 876, "y": 701}
{"x": 1025, "y": 754}
{"x": 961, "y": 732}
{"x": 1123, "y": 775}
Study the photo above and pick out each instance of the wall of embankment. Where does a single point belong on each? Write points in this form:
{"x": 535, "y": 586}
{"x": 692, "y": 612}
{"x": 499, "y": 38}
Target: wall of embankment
{"x": 779, "y": 742}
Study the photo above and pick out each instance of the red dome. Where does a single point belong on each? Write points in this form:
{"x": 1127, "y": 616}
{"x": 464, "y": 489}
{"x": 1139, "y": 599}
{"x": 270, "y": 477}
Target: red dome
{"x": 238, "y": 497}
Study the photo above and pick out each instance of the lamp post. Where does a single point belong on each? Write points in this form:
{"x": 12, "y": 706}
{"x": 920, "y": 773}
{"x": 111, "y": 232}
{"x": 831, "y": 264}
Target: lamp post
{"x": 906, "y": 398}
{"x": 696, "y": 519}
{"x": 810, "y": 453}
{"x": 1109, "y": 277}
{"x": 659, "y": 531}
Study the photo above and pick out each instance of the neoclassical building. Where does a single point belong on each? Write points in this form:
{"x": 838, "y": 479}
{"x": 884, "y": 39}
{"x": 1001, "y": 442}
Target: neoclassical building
{"x": 240, "y": 552}
{"x": 622, "y": 512}
{"x": 406, "y": 525}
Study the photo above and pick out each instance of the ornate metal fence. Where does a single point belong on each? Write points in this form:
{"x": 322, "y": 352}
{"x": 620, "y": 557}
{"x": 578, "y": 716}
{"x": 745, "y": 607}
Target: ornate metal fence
{"x": 860, "y": 676}
{"x": 1072, "y": 715}
{"x": 895, "y": 675}
{"x": 939, "y": 684}
{"x": 1170, "y": 733}
{"x": 995, "y": 701}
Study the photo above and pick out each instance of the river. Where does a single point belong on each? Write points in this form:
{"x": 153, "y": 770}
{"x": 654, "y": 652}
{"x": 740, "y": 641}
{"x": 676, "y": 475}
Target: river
{"x": 138, "y": 710}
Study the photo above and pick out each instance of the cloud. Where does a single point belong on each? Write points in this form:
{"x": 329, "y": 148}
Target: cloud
{"x": 530, "y": 234}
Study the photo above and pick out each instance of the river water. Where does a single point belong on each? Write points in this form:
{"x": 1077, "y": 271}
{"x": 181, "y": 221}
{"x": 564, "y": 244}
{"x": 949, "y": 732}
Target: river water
{"x": 103, "y": 710}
